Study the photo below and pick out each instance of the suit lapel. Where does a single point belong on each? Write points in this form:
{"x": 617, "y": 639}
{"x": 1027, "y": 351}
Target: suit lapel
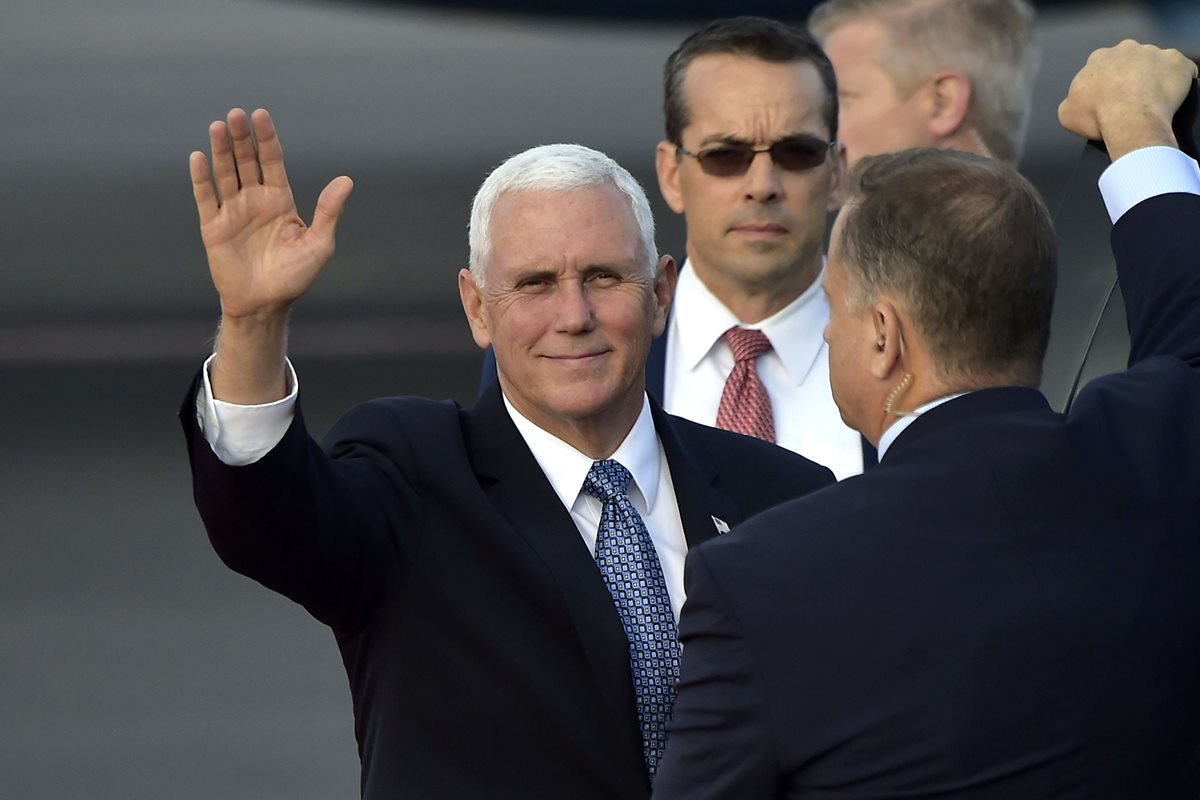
{"x": 694, "y": 473}
{"x": 518, "y": 489}
{"x": 656, "y": 365}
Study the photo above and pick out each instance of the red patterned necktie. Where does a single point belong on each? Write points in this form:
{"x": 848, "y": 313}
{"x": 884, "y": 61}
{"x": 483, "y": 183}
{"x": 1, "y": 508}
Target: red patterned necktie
{"x": 745, "y": 406}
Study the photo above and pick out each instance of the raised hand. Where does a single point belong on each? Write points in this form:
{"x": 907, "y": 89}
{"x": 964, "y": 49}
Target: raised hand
{"x": 261, "y": 254}
{"x": 1127, "y": 95}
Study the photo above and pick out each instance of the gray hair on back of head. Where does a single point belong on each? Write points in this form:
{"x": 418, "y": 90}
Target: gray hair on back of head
{"x": 555, "y": 168}
{"x": 966, "y": 244}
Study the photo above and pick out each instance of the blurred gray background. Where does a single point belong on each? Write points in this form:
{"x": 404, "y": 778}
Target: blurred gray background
{"x": 132, "y": 663}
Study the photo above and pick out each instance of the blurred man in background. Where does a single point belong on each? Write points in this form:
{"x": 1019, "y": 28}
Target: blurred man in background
{"x": 930, "y": 73}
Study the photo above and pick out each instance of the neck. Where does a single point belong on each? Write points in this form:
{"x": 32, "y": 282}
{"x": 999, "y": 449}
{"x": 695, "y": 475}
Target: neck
{"x": 898, "y": 397}
{"x": 753, "y": 301}
{"x": 596, "y": 435}
{"x": 596, "y": 442}
{"x": 968, "y": 140}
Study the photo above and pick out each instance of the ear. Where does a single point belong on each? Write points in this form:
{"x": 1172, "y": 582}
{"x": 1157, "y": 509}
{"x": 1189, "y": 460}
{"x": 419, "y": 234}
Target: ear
{"x": 838, "y": 179}
{"x": 666, "y": 163}
{"x": 665, "y": 275}
{"x": 472, "y": 303}
{"x": 949, "y": 98}
{"x": 889, "y": 346}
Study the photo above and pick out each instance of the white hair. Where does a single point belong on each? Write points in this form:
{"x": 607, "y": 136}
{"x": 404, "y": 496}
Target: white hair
{"x": 551, "y": 168}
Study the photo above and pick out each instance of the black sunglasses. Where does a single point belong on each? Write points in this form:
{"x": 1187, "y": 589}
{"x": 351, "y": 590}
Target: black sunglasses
{"x": 793, "y": 154}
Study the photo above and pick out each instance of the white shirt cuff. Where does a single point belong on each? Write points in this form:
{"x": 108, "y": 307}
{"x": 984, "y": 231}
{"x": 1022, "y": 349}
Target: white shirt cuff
{"x": 1147, "y": 173}
{"x": 241, "y": 435}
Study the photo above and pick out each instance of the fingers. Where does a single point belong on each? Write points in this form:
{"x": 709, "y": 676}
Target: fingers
{"x": 270, "y": 153}
{"x": 1075, "y": 114}
{"x": 224, "y": 171}
{"x": 1125, "y": 90}
{"x": 330, "y": 205}
{"x": 202, "y": 187}
{"x": 244, "y": 153}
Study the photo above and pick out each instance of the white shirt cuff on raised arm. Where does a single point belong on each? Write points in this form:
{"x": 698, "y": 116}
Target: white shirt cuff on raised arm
{"x": 1147, "y": 173}
{"x": 241, "y": 435}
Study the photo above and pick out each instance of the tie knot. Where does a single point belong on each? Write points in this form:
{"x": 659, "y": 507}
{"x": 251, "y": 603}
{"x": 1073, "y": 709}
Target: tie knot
{"x": 606, "y": 479}
{"x": 747, "y": 344}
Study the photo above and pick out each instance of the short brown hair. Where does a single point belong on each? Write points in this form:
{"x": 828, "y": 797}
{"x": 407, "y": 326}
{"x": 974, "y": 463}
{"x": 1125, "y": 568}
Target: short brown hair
{"x": 966, "y": 246}
{"x": 754, "y": 37}
{"x": 989, "y": 41}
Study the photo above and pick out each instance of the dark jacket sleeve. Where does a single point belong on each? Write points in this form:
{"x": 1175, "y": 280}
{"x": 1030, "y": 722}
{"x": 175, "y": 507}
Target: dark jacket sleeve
{"x": 322, "y": 530}
{"x": 1156, "y": 245}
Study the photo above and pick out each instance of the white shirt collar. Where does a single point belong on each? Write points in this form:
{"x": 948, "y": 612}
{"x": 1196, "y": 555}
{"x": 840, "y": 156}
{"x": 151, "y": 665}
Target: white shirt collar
{"x": 566, "y": 468}
{"x": 899, "y": 426}
{"x": 702, "y": 320}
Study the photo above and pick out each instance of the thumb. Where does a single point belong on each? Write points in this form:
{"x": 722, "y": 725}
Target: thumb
{"x": 1077, "y": 118}
{"x": 330, "y": 205}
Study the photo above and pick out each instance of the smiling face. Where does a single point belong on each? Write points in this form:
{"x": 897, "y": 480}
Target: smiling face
{"x": 761, "y": 232}
{"x": 873, "y": 116}
{"x": 569, "y": 309}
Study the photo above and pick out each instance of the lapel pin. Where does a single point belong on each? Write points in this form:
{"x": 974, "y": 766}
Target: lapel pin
{"x": 722, "y": 525}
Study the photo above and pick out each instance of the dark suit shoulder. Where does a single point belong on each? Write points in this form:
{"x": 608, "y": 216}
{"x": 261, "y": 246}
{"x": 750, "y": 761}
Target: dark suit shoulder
{"x": 393, "y": 419}
{"x": 758, "y": 474}
{"x": 810, "y": 522}
{"x": 737, "y": 451}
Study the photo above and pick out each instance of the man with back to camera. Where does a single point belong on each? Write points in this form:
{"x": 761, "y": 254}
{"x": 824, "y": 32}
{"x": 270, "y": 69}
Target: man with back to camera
{"x": 930, "y": 73}
{"x": 1007, "y": 606}
{"x": 503, "y": 581}
{"x": 752, "y": 162}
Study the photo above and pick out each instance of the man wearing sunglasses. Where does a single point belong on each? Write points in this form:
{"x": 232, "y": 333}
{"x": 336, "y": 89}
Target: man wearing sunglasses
{"x": 752, "y": 162}
{"x": 930, "y": 73}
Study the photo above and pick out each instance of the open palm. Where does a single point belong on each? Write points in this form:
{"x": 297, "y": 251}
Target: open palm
{"x": 262, "y": 255}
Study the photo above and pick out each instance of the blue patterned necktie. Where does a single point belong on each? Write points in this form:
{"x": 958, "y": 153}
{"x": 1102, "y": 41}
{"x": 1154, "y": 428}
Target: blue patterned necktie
{"x": 631, "y": 570}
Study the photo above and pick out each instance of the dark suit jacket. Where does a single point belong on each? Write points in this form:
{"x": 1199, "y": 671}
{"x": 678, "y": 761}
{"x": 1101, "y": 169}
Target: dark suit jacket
{"x": 1008, "y": 606}
{"x": 484, "y": 653}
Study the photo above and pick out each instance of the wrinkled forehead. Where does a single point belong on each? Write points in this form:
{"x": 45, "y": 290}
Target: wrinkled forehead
{"x": 747, "y": 98}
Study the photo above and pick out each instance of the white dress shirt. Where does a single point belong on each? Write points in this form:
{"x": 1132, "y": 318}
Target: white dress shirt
{"x": 241, "y": 435}
{"x": 795, "y": 372}
{"x": 651, "y": 490}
